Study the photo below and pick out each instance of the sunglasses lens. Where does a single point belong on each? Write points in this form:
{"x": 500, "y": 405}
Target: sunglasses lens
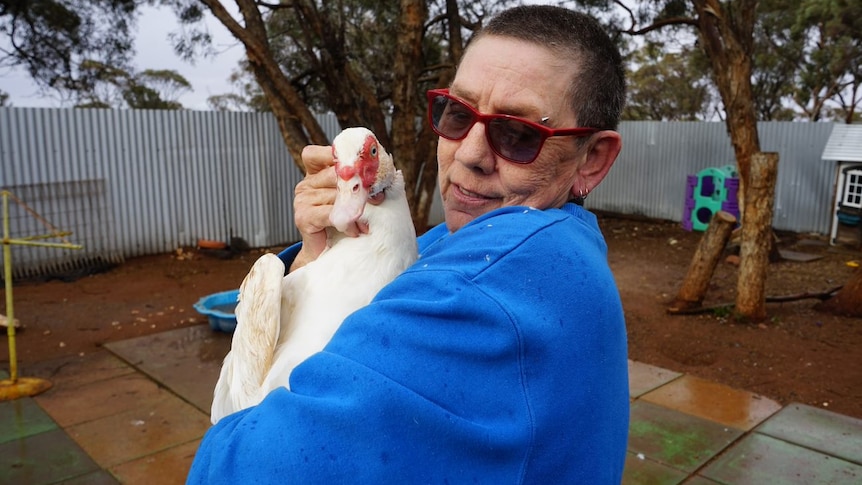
{"x": 451, "y": 118}
{"x": 515, "y": 141}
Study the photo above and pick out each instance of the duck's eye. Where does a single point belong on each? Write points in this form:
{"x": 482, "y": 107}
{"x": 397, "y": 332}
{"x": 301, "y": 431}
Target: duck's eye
{"x": 374, "y": 151}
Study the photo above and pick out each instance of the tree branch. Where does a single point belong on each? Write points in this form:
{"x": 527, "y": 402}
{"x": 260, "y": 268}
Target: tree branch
{"x": 661, "y": 24}
{"x": 822, "y": 296}
{"x": 274, "y": 6}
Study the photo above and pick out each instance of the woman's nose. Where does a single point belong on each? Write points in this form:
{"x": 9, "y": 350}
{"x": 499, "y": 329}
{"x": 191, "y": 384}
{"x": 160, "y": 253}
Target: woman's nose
{"x": 474, "y": 151}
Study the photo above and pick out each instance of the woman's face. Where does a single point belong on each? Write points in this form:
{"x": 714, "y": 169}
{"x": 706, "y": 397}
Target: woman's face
{"x": 500, "y": 75}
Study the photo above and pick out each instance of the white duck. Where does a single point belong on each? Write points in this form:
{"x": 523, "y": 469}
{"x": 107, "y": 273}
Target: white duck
{"x": 282, "y": 320}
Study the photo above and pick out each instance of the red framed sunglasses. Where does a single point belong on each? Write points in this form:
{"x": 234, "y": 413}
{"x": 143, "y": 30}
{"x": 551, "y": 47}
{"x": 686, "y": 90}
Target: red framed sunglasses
{"x": 513, "y": 138}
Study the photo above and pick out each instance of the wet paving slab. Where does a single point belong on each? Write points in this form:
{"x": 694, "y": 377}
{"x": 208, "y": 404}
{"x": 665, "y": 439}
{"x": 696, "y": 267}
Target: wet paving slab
{"x": 761, "y": 459}
{"x": 22, "y": 418}
{"x": 817, "y": 429}
{"x": 645, "y": 377}
{"x": 675, "y": 439}
{"x": 187, "y": 361}
{"x": 715, "y": 402}
{"x": 44, "y": 457}
{"x": 136, "y": 412}
{"x": 154, "y": 426}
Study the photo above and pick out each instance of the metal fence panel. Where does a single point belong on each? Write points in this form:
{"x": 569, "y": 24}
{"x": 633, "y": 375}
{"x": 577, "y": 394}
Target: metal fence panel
{"x": 649, "y": 177}
{"x": 135, "y": 182}
{"x": 152, "y": 180}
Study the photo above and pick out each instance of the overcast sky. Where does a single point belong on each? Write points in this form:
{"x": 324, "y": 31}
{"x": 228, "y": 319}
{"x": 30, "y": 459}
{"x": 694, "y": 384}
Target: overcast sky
{"x": 154, "y": 51}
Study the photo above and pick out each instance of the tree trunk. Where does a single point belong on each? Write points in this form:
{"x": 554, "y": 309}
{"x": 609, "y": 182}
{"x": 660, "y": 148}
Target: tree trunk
{"x": 409, "y": 144}
{"x": 351, "y": 98}
{"x": 297, "y": 124}
{"x": 726, "y": 35}
{"x": 848, "y": 301}
{"x": 756, "y": 237}
{"x": 703, "y": 263}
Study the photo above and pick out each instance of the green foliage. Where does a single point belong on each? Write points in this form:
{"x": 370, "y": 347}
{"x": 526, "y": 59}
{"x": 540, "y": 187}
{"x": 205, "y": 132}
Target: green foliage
{"x": 112, "y": 87}
{"x": 817, "y": 45}
{"x": 138, "y": 96}
{"x": 364, "y": 36}
{"x": 194, "y": 40}
{"x": 775, "y": 60}
{"x": 723, "y": 312}
{"x": 49, "y": 38}
{"x": 806, "y": 56}
{"x": 228, "y": 102}
{"x": 673, "y": 9}
{"x": 667, "y": 86}
{"x": 4, "y": 98}
{"x": 832, "y": 61}
{"x": 248, "y": 98}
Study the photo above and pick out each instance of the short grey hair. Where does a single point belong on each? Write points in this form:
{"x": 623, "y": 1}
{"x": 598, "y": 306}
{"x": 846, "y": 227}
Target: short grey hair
{"x": 597, "y": 91}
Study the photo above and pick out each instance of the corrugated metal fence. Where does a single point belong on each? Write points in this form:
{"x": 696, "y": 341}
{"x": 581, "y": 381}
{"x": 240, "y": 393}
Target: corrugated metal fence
{"x": 135, "y": 182}
{"x": 129, "y": 183}
{"x": 649, "y": 177}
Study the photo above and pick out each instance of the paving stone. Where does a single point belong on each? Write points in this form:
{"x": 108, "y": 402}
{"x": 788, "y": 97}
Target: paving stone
{"x": 186, "y": 360}
{"x": 676, "y": 439}
{"x": 818, "y": 429}
{"x": 48, "y": 457}
{"x": 100, "y": 477}
{"x": 645, "y": 377}
{"x": 699, "y": 480}
{"x": 22, "y": 417}
{"x": 140, "y": 432}
{"x": 170, "y": 466}
{"x": 94, "y": 400}
{"x": 76, "y": 370}
{"x": 641, "y": 471}
{"x": 716, "y": 402}
{"x": 760, "y": 459}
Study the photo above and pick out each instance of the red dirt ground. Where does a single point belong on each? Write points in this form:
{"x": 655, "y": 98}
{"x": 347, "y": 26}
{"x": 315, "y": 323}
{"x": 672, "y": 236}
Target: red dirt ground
{"x": 796, "y": 355}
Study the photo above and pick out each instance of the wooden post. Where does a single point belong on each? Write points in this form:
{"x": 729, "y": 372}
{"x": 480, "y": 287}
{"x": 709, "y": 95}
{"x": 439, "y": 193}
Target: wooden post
{"x": 703, "y": 262}
{"x": 756, "y": 237}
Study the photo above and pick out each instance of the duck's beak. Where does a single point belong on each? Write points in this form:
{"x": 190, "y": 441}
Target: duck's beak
{"x": 349, "y": 201}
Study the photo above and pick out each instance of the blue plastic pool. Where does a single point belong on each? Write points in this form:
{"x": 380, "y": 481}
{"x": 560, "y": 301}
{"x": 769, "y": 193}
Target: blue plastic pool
{"x": 219, "y": 309}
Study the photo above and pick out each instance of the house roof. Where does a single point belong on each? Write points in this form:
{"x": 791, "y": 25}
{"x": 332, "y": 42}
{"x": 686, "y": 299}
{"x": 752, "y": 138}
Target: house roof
{"x": 844, "y": 144}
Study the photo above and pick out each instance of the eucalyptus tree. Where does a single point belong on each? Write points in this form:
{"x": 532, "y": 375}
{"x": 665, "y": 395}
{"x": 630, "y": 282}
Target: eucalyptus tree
{"x": 667, "y": 86}
{"x": 368, "y": 62}
{"x": 104, "y": 86}
{"x": 777, "y": 56}
{"x": 809, "y": 53}
{"x": 50, "y": 38}
{"x": 831, "y": 69}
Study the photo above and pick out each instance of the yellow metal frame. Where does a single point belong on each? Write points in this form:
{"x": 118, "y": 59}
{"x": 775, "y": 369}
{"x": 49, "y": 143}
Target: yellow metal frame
{"x": 15, "y": 386}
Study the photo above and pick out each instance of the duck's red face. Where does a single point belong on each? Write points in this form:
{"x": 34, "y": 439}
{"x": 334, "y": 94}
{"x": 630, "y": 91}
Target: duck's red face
{"x": 365, "y": 163}
{"x": 356, "y": 164}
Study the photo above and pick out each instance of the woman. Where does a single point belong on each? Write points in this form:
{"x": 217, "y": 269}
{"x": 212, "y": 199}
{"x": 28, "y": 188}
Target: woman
{"x": 500, "y": 356}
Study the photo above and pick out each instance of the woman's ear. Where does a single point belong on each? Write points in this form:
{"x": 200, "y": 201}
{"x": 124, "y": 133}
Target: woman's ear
{"x": 602, "y": 150}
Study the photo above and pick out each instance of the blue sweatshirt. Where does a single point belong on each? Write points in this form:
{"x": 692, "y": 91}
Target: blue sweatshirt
{"x": 498, "y": 357}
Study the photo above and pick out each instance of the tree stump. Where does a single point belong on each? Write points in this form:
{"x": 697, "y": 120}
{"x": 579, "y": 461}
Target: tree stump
{"x": 756, "y": 237}
{"x": 703, "y": 262}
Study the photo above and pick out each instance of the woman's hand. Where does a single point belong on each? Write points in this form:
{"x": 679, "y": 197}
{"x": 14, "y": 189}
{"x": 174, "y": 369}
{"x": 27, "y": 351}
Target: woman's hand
{"x": 312, "y": 203}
